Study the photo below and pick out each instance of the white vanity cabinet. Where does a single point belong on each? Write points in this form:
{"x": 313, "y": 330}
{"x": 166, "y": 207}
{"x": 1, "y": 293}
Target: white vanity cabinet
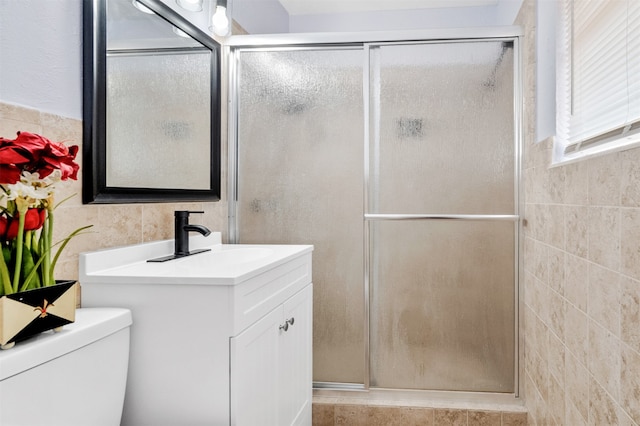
{"x": 208, "y": 339}
{"x": 271, "y": 366}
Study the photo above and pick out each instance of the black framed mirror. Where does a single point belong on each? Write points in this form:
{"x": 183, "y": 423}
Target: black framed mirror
{"x": 151, "y": 111}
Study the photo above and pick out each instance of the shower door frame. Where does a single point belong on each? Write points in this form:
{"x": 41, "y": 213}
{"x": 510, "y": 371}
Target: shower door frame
{"x": 365, "y": 40}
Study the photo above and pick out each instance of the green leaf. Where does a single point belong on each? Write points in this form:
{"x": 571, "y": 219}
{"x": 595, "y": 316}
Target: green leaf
{"x": 31, "y": 274}
{"x": 5, "y": 278}
{"x": 28, "y": 265}
{"x": 64, "y": 244}
{"x": 6, "y": 254}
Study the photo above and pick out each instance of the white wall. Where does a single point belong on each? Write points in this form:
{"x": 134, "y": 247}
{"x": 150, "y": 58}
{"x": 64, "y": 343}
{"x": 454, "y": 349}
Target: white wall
{"x": 503, "y": 13}
{"x": 507, "y": 10}
{"x": 41, "y": 41}
{"x": 394, "y": 20}
{"x": 546, "y": 22}
{"x": 261, "y": 16}
{"x": 41, "y": 55}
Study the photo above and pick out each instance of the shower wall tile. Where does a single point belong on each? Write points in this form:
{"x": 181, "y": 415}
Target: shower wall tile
{"x": 576, "y": 388}
{"x": 630, "y": 312}
{"x": 113, "y": 225}
{"x": 532, "y": 402}
{"x": 630, "y": 241}
{"x": 556, "y": 185}
{"x": 604, "y": 181}
{"x": 539, "y": 260}
{"x": 576, "y": 338}
{"x": 540, "y": 374}
{"x": 557, "y": 310}
{"x": 572, "y": 417}
{"x": 604, "y": 236}
{"x": 557, "y": 360}
{"x": 557, "y": 262}
{"x": 630, "y": 178}
{"x": 582, "y": 281}
{"x": 555, "y": 226}
{"x": 602, "y": 409}
{"x": 541, "y": 345}
{"x": 576, "y": 277}
{"x": 556, "y": 402}
{"x": 576, "y": 183}
{"x": 529, "y": 327}
{"x": 577, "y": 230}
{"x": 604, "y": 346}
{"x": 604, "y": 297}
{"x": 537, "y": 215}
{"x": 538, "y": 412}
{"x": 630, "y": 382}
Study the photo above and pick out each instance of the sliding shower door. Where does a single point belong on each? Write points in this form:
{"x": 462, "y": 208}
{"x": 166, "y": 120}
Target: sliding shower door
{"x": 399, "y": 163}
{"x": 442, "y": 216}
{"x": 300, "y": 132}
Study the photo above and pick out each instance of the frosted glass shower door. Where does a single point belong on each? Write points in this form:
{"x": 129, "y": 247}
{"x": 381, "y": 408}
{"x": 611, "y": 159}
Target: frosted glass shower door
{"x": 442, "y": 215}
{"x": 300, "y": 125}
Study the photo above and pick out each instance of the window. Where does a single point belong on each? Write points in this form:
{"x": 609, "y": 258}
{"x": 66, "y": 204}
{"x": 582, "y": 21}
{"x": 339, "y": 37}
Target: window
{"x": 598, "y": 77}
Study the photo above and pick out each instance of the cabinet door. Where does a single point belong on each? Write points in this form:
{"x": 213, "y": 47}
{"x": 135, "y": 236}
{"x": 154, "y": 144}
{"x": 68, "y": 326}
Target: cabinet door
{"x": 254, "y": 372}
{"x": 296, "y": 360}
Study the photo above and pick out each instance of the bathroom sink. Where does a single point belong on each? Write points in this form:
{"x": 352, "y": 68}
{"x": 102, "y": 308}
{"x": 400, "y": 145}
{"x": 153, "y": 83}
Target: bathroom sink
{"x": 228, "y": 255}
{"x": 224, "y": 264}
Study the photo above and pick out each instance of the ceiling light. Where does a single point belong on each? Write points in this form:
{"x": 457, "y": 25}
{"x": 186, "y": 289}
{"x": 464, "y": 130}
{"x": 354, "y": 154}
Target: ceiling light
{"x": 220, "y": 22}
{"x": 141, "y": 7}
{"x": 190, "y": 5}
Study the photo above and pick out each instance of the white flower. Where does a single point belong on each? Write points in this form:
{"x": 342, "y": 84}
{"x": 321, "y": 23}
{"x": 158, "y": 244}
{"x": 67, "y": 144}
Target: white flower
{"x": 30, "y": 186}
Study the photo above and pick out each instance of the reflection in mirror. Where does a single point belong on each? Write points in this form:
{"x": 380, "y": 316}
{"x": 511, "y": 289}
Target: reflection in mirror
{"x": 152, "y": 128}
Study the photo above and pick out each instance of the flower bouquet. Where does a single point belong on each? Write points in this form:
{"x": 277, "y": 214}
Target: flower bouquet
{"x": 31, "y": 300}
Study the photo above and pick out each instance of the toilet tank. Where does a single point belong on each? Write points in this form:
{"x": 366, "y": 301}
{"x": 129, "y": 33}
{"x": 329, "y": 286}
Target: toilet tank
{"x": 74, "y": 377}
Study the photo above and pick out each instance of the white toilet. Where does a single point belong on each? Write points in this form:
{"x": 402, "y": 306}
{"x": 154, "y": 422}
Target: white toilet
{"x": 74, "y": 377}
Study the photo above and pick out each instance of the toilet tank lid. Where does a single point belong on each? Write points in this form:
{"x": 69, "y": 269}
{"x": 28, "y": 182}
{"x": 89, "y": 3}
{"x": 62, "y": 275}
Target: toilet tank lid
{"x": 91, "y": 324}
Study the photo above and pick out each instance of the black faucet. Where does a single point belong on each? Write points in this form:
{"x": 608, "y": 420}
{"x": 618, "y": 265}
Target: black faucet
{"x": 181, "y": 240}
{"x": 182, "y": 229}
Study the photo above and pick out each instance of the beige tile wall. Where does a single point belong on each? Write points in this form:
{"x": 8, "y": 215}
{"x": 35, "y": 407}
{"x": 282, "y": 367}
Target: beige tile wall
{"x": 582, "y": 279}
{"x": 114, "y": 224}
{"x": 582, "y": 289}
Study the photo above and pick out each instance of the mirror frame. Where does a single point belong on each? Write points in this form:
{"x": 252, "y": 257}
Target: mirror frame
{"x": 94, "y": 180}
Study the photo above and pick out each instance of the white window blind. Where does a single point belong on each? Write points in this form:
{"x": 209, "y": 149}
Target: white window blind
{"x": 598, "y": 79}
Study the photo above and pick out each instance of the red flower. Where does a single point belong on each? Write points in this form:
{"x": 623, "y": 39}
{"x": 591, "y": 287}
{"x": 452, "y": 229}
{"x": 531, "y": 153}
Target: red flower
{"x": 35, "y": 153}
{"x": 31, "y": 142}
{"x": 9, "y": 173}
{"x": 34, "y": 219}
{"x": 59, "y": 156}
{"x": 10, "y": 156}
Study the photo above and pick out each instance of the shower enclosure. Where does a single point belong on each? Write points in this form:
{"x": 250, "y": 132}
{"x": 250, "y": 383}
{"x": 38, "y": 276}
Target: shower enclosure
{"x": 399, "y": 161}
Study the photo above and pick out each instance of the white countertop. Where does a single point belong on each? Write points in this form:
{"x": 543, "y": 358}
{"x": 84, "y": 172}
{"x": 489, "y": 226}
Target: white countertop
{"x": 224, "y": 264}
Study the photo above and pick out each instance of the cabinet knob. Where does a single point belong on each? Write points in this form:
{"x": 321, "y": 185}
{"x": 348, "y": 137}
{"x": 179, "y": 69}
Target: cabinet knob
{"x": 287, "y": 323}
